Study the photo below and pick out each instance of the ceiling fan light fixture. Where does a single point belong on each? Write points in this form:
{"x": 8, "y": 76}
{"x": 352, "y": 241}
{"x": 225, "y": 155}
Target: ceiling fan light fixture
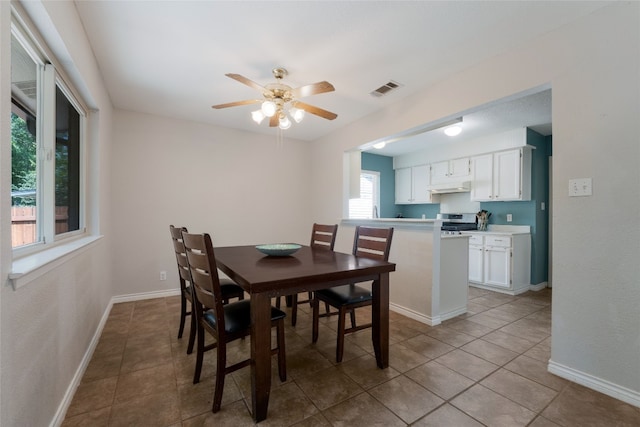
{"x": 269, "y": 108}
{"x": 283, "y": 122}
{"x": 453, "y": 130}
{"x": 257, "y": 116}
{"x": 297, "y": 114}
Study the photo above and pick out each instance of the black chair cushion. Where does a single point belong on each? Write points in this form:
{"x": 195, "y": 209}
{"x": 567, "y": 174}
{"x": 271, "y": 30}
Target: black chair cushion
{"x": 237, "y": 316}
{"x": 344, "y": 295}
{"x": 230, "y": 289}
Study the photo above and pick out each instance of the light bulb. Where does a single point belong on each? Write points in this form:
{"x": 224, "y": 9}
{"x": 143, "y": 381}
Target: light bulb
{"x": 257, "y": 116}
{"x": 284, "y": 122}
{"x": 453, "y": 130}
{"x": 297, "y": 114}
{"x": 268, "y": 108}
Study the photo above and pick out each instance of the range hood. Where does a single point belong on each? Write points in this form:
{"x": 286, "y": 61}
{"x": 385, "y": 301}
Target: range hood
{"x": 450, "y": 187}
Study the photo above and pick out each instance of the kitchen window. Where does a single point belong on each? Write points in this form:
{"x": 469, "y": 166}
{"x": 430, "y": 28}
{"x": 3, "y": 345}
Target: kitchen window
{"x": 368, "y": 204}
{"x": 47, "y": 134}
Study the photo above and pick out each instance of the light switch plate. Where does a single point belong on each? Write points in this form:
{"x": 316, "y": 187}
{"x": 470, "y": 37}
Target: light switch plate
{"x": 580, "y": 187}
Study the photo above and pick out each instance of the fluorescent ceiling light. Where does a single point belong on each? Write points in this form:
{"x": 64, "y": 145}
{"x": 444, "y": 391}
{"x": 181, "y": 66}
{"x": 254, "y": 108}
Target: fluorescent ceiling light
{"x": 453, "y": 130}
{"x": 379, "y": 145}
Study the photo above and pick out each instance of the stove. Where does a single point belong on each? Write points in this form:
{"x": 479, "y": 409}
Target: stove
{"x": 455, "y": 223}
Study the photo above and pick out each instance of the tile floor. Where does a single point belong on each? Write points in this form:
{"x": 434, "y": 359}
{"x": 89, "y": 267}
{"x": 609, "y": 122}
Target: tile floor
{"x": 487, "y": 367}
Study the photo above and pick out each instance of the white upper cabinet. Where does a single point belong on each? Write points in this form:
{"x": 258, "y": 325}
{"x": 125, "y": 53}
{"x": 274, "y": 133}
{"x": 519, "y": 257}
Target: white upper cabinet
{"x": 403, "y": 186}
{"x": 502, "y": 176}
{"x": 420, "y": 180}
{"x": 450, "y": 170}
{"x": 507, "y": 175}
{"x": 411, "y": 185}
{"x": 482, "y": 177}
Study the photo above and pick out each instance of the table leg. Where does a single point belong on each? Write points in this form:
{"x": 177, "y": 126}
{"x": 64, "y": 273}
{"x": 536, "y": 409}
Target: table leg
{"x": 380, "y": 320}
{"x": 260, "y": 355}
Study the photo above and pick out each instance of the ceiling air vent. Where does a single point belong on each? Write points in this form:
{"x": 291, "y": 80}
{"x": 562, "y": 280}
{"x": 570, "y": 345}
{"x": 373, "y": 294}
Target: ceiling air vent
{"x": 386, "y": 88}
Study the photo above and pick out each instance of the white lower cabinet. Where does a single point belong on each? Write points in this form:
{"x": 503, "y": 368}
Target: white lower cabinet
{"x": 497, "y": 261}
{"x": 500, "y": 262}
{"x": 476, "y": 259}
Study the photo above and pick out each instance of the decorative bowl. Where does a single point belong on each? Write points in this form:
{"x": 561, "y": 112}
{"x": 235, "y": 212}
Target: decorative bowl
{"x": 278, "y": 249}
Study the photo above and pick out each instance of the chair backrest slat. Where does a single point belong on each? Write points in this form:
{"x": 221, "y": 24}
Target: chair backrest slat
{"x": 370, "y": 242}
{"x": 204, "y": 275}
{"x": 323, "y": 236}
{"x": 181, "y": 256}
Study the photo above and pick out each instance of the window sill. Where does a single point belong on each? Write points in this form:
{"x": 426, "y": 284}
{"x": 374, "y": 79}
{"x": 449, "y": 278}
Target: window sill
{"x": 30, "y": 267}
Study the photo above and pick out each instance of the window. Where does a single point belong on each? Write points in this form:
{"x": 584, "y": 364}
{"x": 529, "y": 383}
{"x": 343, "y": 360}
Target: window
{"x": 368, "y": 205}
{"x": 47, "y": 125}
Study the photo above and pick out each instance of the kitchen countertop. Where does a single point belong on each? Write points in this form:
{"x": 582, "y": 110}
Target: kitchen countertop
{"x": 456, "y": 236}
{"x": 415, "y": 223}
{"x": 505, "y": 230}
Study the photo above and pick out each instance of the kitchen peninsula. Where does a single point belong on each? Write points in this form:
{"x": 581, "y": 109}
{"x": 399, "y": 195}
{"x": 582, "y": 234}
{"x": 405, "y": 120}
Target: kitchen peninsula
{"x": 430, "y": 283}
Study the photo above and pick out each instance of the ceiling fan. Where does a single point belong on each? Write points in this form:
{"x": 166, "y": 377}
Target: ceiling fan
{"x": 280, "y": 99}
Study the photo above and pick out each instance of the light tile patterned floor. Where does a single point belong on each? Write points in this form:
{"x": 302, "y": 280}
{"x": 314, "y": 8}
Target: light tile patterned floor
{"x": 487, "y": 367}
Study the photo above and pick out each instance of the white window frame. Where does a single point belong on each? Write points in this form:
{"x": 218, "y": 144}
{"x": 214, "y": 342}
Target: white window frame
{"x": 354, "y": 213}
{"x": 49, "y": 251}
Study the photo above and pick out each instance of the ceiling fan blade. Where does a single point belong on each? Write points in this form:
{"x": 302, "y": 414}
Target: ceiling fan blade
{"x": 235, "y": 104}
{"x": 246, "y": 81}
{"x": 273, "y": 121}
{"x": 315, "y": 110}
{"x": 312, "y": 89}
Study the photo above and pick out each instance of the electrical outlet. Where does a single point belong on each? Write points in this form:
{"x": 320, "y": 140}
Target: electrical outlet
{"x": 580, "y": 187}
{"x": 163, "y": 275}
{"x": 509, "y": 217}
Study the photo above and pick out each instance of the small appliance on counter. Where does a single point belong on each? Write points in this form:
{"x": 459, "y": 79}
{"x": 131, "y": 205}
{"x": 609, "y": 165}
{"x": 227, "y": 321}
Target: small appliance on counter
{"x": 455, "y": 223}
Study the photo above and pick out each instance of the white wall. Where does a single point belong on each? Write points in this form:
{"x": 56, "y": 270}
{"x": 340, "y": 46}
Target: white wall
{"x": 240, "y": 187}
{"x": 47, "y": 326}
{"x": 593, "y": 68}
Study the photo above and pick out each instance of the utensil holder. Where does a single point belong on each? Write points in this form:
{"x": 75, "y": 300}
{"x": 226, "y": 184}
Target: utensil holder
{"x": 482, "y": 224}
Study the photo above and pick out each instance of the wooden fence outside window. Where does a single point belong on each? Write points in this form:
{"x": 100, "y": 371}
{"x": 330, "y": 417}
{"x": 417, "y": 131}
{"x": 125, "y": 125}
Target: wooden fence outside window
{"x": 23, "y": 224}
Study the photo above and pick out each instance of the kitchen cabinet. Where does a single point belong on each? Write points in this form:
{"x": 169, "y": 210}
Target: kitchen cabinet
{"x": 476, "y": 259}
{"x": 450, "y": 170}
{"x": 500, "y": 262}
{"x": 482, "y": 177}
{"x": 411, "y": 185}
{"x": 497, "y": 261}
{"x": 502, "y": 176}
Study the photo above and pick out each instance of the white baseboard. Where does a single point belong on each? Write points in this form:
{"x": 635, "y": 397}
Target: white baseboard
{"x": 517, "y": 291}
{"x": 145, "y": 295}
{"x": 540, "y": 286}
{"x": 75, "y": 381}
{"x": 631, "y": 397}
{"x": 431, "y": 321}
{"x": 453, "y": 313}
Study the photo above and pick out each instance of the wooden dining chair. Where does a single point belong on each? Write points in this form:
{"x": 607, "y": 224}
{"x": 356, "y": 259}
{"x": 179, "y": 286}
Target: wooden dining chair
{"x": 229, "y": 288}
{"x": 368, "y": 242}
{"x": 224, "y": 322}
{"x": 323, "y": 236}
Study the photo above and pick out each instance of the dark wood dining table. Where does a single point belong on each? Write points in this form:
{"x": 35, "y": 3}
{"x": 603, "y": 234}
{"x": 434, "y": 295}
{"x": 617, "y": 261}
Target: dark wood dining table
{"x": 264, "y": 277}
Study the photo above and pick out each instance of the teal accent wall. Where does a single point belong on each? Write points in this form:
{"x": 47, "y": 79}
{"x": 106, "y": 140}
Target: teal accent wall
{"x": 384, "y": 165}
{"x": 530, "y": 212}
{"x": 415, "y": 211}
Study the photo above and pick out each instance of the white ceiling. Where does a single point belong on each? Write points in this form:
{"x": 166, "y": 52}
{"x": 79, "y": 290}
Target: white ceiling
{"x": 170, "y": 58}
